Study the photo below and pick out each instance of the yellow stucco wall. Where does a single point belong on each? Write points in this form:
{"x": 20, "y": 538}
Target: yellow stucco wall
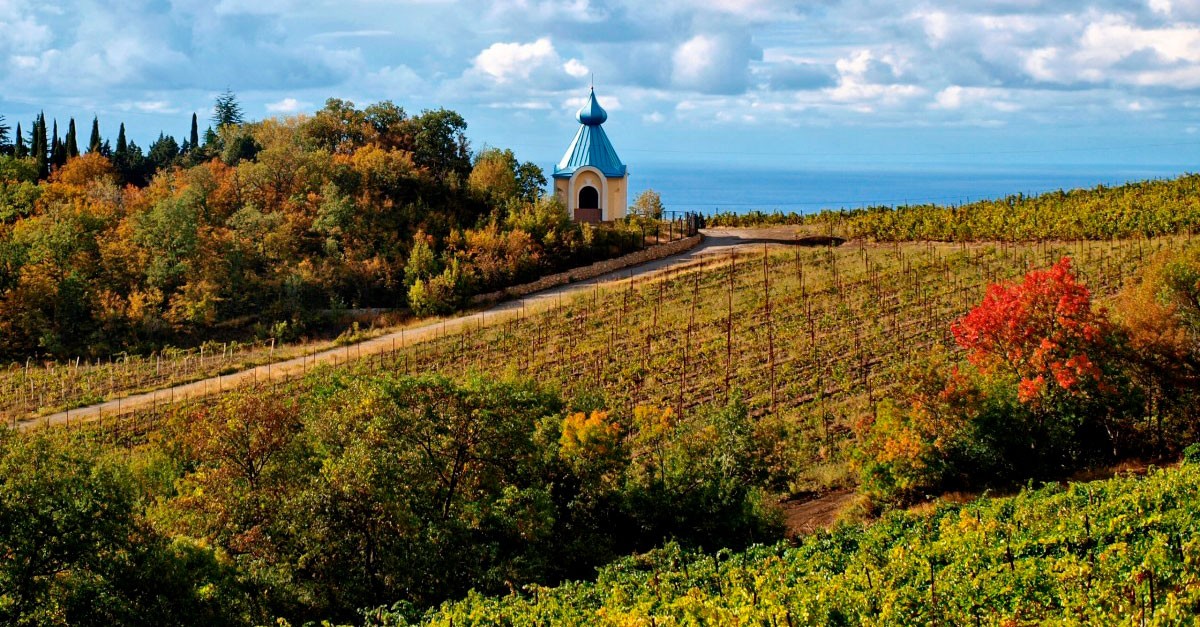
{"x": 618, "y": 198}
{"x": 613, "y": 205}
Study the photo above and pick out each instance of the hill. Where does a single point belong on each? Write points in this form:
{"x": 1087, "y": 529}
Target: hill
{"x": 1121, "y": 551}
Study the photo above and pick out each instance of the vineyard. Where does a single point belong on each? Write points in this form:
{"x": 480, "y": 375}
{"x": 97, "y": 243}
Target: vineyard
{"x": 37, "y": 387}
{"x": 811, "y": 339}
{"x": 1117, "y": 552}
{"x": 1138, "y": 209}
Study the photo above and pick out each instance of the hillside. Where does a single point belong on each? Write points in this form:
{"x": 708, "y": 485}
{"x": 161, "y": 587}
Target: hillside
{"x": 1116, "y": 552}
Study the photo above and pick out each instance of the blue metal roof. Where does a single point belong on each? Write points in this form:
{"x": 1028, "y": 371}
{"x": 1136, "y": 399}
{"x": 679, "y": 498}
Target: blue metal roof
{"x": 590, "y": 146}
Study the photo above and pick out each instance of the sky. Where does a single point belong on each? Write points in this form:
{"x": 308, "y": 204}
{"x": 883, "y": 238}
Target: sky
{"x": 861, "y": 84}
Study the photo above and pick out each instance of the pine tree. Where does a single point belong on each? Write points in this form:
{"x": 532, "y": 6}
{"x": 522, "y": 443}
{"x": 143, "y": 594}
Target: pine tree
{"x": 194, "y": 138}
{"x": 95, "y": 143}
{"x": 72, "y": 144}
{"x": 227, "y": 111}
{"x": 19, "y": 150}
{"x": 4, "y": 128}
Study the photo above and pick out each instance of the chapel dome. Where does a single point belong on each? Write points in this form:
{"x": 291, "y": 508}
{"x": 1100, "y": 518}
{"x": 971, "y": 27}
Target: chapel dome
{"x": 591, "y": 113}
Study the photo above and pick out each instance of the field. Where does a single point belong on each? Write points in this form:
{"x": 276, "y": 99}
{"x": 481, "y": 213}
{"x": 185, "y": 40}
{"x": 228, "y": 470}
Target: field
{"x": 1117, "y": 552}
{"x": 810, "y": 338}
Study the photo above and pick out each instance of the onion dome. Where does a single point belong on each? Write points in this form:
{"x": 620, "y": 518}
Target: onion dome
{"x": 591, "y": 147}
{"x": 591, "y": 113}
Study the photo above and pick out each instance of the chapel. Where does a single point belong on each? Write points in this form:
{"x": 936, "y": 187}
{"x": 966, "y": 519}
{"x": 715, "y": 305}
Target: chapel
{"x": 590, "y": 179}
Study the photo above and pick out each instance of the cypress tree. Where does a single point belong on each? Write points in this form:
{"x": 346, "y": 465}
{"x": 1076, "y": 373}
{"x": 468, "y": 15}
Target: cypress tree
{"x": 194, "y": 138}
{"x": 122, "y": 146}
{"x": 40, "y": 148}
{"x": 72, "y": 144}
{"x": 57, "y": 158}
{"x": 19, "y": 150}
{"x": 94, "y": 144}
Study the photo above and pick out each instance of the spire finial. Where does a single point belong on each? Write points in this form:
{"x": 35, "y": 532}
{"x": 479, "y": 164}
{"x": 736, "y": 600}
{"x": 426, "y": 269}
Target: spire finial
{"x": 592, "y": 81}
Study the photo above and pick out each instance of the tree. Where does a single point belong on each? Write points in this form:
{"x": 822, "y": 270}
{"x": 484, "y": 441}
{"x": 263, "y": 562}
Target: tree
{"x": 1043, "y": 331}
{"x": 648, "y": 205}
{"x": 71, "y": 145}
{"x": 531, "y": 182}
{"x": 440, "y": 144}
{"x": 227, "y": 111}
{"x": 122, "y": 145}
{"x": 194, "y": 135}
{"x": 495, "y": 175}
{"x": 76, "y": 551}
{"x": 40, "y": 146}
{"x": 95, "y": 143}
{"x": 163, "y": 152}
{"x": 4, "y": 129}
{"x": 58, "y": 152}
{"x": 19, "y": 149}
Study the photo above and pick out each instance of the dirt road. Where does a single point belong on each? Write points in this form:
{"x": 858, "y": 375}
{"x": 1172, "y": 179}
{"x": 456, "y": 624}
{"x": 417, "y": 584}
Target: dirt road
{"x": 716, "y": 242}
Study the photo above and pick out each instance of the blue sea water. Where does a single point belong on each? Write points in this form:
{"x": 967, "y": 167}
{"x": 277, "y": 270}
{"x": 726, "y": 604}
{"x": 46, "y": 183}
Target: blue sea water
{"x": 743, "y": 189}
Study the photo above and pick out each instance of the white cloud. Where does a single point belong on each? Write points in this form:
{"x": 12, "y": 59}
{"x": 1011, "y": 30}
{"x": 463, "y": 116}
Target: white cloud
{"x": 1113, "y": 50}
{"x": 287, "y": 105}
{"x": 575, "y": 68}
{"x": 716, "y": 63}
{"x": 868, "y": 80}
{"x": 506, "y": 62}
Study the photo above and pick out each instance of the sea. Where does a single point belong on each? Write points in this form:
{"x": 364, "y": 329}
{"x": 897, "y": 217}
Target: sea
{"x": 742, "y": 189}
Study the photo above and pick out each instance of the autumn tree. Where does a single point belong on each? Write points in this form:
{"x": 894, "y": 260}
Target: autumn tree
{"x": 648, "y": 204}
{"x": 1044, "y": 332}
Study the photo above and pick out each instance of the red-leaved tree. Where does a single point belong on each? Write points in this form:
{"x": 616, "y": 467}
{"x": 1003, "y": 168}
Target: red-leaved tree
{"x": 1042, "y": 330}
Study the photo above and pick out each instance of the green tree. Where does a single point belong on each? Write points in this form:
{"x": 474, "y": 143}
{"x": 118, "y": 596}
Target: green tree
{"x": 95, "y": 144}
{"x": 19, "y": 149}
{"x": 531, "y": 182}
{"x": 227, "y": 111}
{"x": 58, "y": 150}
{"x": 440, "y": 144}
{"x": 40, "y": 146}
{"x": 163, "y": 152}
{"x": 71, "y": 145}
{"x": 4, "y": 130}
{"x": 122, "y": 145}
{"x": 194, "y": 135}
{"x": 76, "y": 551}
{"x": 422, "y": 263}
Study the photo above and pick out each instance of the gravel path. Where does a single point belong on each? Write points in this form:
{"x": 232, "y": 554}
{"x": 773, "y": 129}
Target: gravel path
{"x": 716, "y": 242}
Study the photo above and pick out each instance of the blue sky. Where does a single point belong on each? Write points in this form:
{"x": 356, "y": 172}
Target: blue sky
{"x": 858, "y": 84}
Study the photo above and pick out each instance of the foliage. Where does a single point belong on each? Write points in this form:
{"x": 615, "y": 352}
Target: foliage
{"x": 648, "y": 204}
{"x": 421, "y": 489}
{"x": 1120, "y": 551}
{"x": 227, "y": 111}
{"x": 1043, "y": 331}
{"x": 77, "y": 550}
{"x": 1138, "y": 209}
{"x": 1052, "y": 386}
{"x": 267, "y": 222}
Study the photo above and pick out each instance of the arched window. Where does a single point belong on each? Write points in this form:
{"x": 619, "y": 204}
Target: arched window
{"x": 589, "y": 198}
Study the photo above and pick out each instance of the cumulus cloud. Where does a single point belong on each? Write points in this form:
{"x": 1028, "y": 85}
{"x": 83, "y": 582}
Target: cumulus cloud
{"x": 534, "y": 64}
{"x": 287, "y": 105}
{"x": 867, "y": 80}
{"x": 715, "y": 63}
